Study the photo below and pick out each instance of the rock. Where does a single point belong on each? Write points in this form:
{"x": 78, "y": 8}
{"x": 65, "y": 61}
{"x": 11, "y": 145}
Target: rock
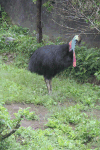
{"x": 9, "y": 39}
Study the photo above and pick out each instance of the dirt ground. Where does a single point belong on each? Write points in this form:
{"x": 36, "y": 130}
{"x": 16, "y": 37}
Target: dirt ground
{"x": 40, "y": 111}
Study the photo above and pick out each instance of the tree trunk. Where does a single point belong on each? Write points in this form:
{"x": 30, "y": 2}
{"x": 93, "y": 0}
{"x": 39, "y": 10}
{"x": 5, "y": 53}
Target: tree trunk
{"x": 39, "y": 28}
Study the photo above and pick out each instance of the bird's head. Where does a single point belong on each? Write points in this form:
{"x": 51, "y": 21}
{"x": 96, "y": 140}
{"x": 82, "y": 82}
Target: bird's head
{"x": 77, "y": 38}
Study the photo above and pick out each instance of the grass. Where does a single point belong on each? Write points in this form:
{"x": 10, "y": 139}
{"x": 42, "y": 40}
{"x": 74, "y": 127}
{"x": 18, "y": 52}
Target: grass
{"x": 19, "y": 85}
{"x": 69, "y": 126}
{"x": 73, "y": 123}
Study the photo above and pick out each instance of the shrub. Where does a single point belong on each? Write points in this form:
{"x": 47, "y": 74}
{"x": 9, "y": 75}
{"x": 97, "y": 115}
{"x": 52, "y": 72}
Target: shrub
{"x": 19, "y": 30}
{"x": 97, "y": 74}
{"x": 88, "y": 63}
{"x": 4, "y": 19}
{"x": 8, "y": 126}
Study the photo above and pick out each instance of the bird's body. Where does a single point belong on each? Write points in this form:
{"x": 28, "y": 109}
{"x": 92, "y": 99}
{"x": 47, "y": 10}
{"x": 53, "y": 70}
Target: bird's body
{"x": 50, "y": 60}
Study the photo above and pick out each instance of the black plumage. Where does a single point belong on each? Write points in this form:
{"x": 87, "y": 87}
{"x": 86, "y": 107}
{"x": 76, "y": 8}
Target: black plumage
{"x": 50, "y": 60}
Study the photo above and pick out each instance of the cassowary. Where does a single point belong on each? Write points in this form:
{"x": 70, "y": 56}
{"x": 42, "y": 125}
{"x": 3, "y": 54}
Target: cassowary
{"x": 52, "y": 59}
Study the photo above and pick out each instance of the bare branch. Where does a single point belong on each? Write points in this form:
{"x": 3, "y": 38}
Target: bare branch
{"x": 77, "y": 15}
{"x": 12, "y": 131}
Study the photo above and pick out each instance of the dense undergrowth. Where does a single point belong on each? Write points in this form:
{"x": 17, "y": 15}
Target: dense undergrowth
{"x": 69, "y": 127}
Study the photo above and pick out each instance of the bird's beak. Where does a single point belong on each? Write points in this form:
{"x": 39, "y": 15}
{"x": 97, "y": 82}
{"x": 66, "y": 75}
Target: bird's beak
{"x": 79, "y": 39}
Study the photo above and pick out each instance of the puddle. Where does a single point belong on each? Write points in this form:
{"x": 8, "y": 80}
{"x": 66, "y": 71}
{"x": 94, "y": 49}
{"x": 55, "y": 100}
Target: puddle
{"x": 40, "y": 111}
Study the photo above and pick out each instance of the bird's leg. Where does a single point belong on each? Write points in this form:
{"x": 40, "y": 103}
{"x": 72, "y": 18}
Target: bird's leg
{"x": 48, "y": 84}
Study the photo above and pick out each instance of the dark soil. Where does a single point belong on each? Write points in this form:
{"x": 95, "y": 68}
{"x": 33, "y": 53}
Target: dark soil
{"x": 40, "y": 111}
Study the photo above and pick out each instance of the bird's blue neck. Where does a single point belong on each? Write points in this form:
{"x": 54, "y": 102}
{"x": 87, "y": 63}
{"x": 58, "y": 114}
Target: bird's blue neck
{"x": 72, "y": 44}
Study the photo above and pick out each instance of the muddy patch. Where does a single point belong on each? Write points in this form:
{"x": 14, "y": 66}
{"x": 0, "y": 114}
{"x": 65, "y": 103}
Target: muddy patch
{"x": 40, "y": 111}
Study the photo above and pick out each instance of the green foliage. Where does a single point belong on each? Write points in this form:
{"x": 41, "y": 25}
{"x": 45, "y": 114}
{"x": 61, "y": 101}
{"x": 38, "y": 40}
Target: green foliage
{"x": 85, "y": 129}
{"x": 4, "y": 20}
{"x": 88, "y": 130}
{"x": 71, "y": 115}
{"x": 69, "y": 127}
{"x": 21, "y": 43}
{"x": 58, "y": 41}
{"x": 27, "y": 114}
{"x": 87, "y": 63}
{"x": 5, "y": 122}
{"x": 22, "y": 86}
{"x": 7, "y": 125}
{"x": 34, "y": 1}
{"x": 22, "y": 46}
{"x": 46, "y": 139}
{"x": 48, "y": 5}
{"x": 19, "y": 30}
{"x": 97, "y": 74}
